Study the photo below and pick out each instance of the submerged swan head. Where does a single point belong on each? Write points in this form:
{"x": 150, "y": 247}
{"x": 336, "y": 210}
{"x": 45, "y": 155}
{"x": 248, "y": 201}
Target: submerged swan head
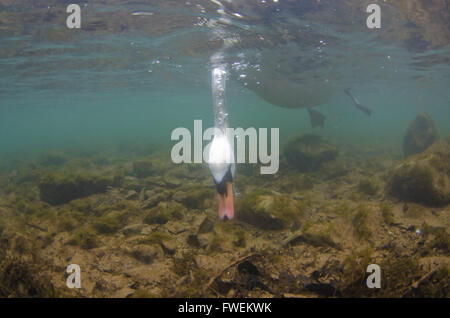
{"x": 221, "y": 164}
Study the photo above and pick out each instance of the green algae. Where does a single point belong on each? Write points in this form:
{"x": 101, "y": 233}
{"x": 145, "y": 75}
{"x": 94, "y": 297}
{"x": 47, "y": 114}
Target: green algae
{"x": 434, "y": 286}
{"x": 423, "y": 178}
{"x": 360, "y": 224}
{"x": 156, "y": 238}
{"x": 142, "y": 293}
{"x": 83, "y": 205}
{"x": 437, "y": 238}
{"x": 397, "y": 275}
{"x": 240, "y": 238}
{"x": 369, "y": 186}
{"x": 216, "y": 244}
{"x": 110, "y": 223}
{"x": 387, "y": 214}
{"x": 68, "y": 220}
{"x": 85, "y": 238}
{"x": 343, "y": 209}
{"x": 194, "y": 199}
{"x": 48, "y": 239}
{"x": 164, "y": 213}
{"x": 22, "y": 278}
{"x": 156, "y": 217}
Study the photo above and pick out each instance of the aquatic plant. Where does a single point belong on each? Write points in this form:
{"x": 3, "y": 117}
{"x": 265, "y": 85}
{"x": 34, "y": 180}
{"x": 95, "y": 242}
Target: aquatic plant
{"x": 216, "y": 244}
{"x": 110, "y": 223}
{"x": 21, "y": 244}
{"x": 83, "y": 205}
{"x": 240, "y": 238}
{"x": 48, "y": 239}
{"x": 440, "y": 239}
{"x": 27, "y": 175}
{"x": 369, "y": 186}
{"x": 22, "y": 278}
{"x": 386, "y": 212}
{"x": 343, "y": 209}
{"x": 195, "y": 198}
{"x": 434, "y": 284}
{"x": 398, "y": 273}
{"x": 84, "y": 238}
{"x": 156, "y": 216}
{"x": 142, "y": 293}
{"x": 66, "y": 223}
{"x": 32, "y": 208}
{"x": 164, "y": 212}
{"x": 182, "y": 265}
{"x": 360, "y": 223}
{"x": 156, "y": 238}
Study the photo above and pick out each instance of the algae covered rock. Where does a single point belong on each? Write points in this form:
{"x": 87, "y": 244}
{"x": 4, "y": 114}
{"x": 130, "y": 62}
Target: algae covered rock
{"x": 52, "y": 158}
{"x": 143, "y": 168}
{"x": 268, "y": 211}
{"x": 195, "y": 198}
{"x": 420, "y": 135}
{"x": 308, "y": 152}
{"x": 423, "y": 178}
{"x": 369, "y": 186}
{"x": 146, "y": 254}
{"x": 164, "y": 212}
{"x": 59, "y": 188}
{"x": 296, "y": 182}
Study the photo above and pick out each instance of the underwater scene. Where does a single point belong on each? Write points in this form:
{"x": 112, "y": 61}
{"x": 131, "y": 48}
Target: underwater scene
{"x": 120, "y": 175}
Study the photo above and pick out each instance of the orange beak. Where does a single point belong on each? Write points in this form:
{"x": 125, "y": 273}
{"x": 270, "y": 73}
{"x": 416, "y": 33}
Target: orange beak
{"x": 226, "y": 207}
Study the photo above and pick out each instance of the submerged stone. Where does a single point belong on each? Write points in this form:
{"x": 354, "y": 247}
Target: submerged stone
{"x": 268, "y": 211}
{"x": 420, "y": 135}
{"x": 307, "y": 153}
{"x": 146, "y": 254}
{"x": 60, "y": 188}
{"x": 195, "y": 198}
{"x": 143, "y": 168}
{"x": 164, "y": 212}
{"x": 206, "y": 226}
{"x": 313, "y": 239}
{"x": 369, "y": 186}
{"x": 423, "y": 178}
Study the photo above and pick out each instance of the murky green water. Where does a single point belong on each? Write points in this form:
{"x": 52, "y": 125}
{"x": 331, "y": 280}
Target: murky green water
{"x": 127, "y": 77}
